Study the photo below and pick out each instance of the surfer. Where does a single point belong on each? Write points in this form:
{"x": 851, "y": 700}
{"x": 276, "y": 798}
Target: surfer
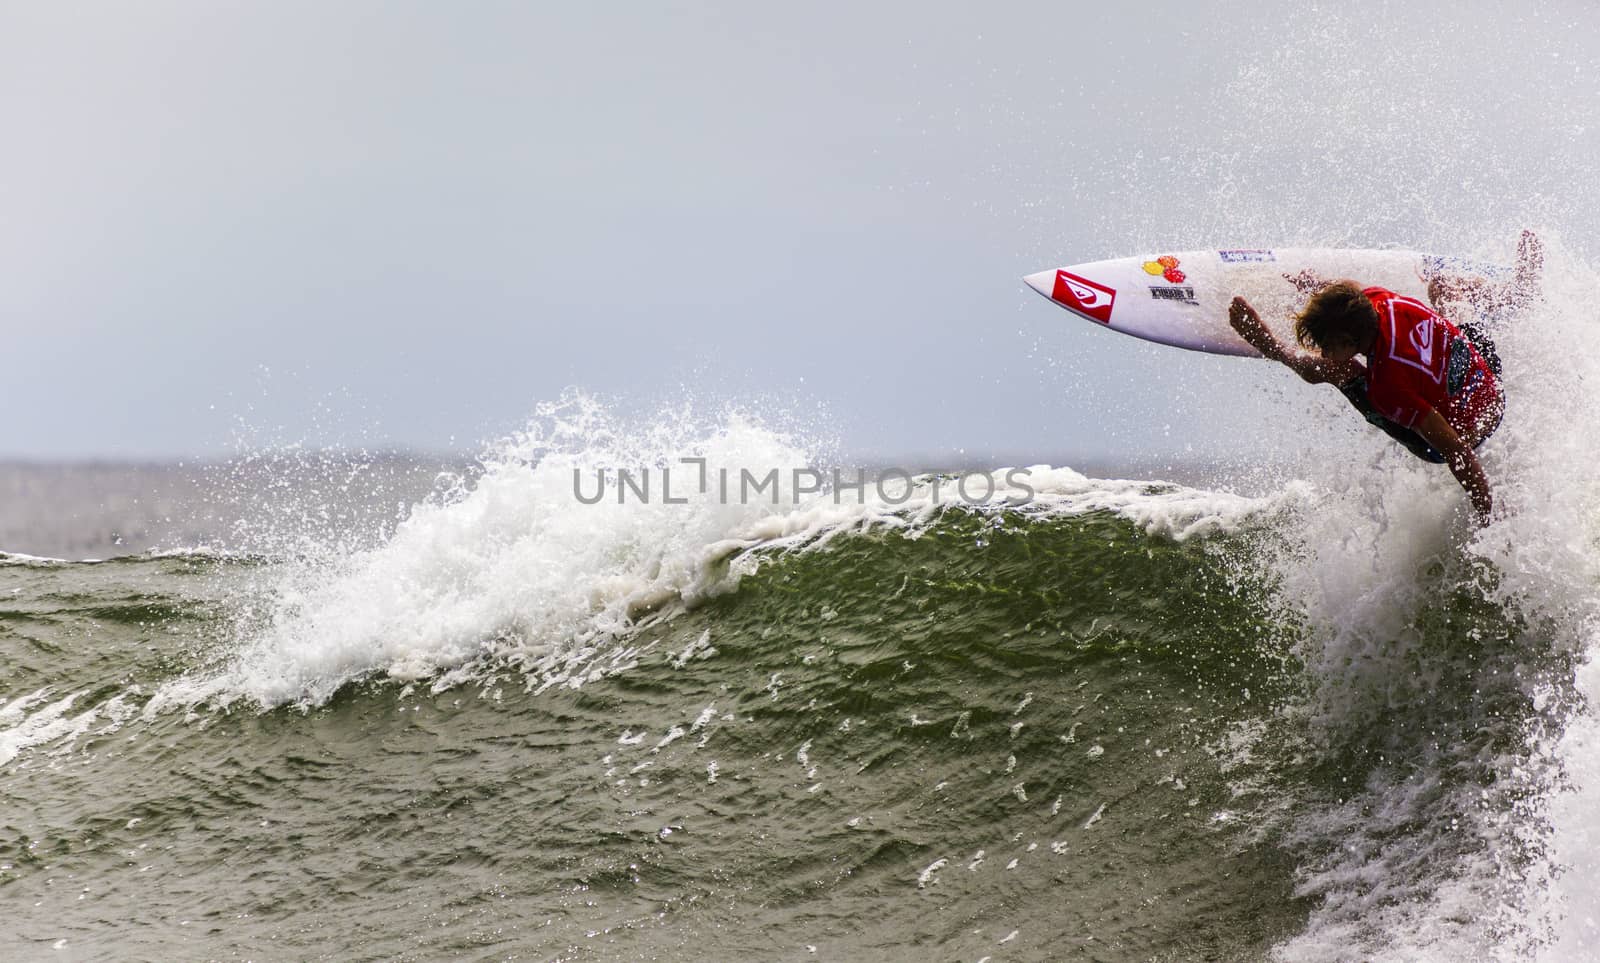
{"x": 1429, "y": 384}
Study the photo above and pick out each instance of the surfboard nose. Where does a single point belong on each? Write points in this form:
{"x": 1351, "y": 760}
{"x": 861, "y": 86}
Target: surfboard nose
{"x": 1043, "y": 281}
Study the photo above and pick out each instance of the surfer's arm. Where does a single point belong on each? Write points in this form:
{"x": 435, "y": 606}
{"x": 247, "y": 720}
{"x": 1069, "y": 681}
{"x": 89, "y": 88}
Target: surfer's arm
{"x": 1247, "y": 322}
{"x": 1462, "y": 460}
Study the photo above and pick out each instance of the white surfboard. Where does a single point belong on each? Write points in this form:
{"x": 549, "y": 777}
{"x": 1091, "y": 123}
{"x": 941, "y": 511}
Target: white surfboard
{"x": 1181, "y": 298}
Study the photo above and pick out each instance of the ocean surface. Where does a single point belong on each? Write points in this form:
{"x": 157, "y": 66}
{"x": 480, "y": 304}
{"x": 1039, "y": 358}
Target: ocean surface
{"x": 314, "y": 706}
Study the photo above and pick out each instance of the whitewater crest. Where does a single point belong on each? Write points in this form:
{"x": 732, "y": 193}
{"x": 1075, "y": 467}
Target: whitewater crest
{"x": 515, "y": 566}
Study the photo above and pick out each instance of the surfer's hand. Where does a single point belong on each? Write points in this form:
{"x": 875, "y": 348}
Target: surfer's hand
{"x": 1247, "y": 322}
{"x": 1242, "y": 316}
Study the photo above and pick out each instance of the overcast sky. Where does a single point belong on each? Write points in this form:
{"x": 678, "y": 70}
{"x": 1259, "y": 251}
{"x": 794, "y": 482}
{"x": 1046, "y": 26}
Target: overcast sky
{"x": 409, "y": 223}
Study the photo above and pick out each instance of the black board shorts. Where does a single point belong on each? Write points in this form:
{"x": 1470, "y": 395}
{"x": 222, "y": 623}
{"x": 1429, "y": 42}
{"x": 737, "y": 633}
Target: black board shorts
{"x": 1355, "y": 391}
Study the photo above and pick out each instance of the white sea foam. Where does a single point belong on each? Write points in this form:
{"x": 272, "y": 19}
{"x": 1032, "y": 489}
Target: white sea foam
{"x": 1547, "y": 552}
{"x": 30, "y": 721}
{"x": 18, "y": 558}
{"x": 516, "y": 569}
{"x": 930, "y": 873}
{"x": 1387, "y": 534}
{"x": 1573, "y": 897}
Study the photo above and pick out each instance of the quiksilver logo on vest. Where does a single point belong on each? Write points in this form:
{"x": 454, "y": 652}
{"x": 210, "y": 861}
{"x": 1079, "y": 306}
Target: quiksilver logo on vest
{"x": 1422, "y": 342}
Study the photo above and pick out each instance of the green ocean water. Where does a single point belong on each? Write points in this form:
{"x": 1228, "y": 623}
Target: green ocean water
{"x": 999, "y": 734}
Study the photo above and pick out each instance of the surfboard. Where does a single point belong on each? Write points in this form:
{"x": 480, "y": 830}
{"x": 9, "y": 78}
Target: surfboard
{"x": 1181, "y": 298}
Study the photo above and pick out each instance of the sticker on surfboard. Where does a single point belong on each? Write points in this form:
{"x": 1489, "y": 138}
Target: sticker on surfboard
{"x": 1257, "y": 255}
{"x": 1084, "y": 296}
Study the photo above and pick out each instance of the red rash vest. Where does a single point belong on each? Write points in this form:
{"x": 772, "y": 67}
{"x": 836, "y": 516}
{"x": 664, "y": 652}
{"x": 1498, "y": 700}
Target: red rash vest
{"x": 1421, "y": 361}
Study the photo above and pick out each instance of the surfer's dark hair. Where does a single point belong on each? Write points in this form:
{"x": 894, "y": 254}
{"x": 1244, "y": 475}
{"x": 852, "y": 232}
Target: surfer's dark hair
{"x": 1338, "y": 312}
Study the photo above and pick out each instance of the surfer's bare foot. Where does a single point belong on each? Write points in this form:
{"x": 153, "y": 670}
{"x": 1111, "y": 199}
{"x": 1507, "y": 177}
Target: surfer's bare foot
{"x": 1530, "y": 268}
{"x": 1307, "y": 281}
{"x": 1530, "y": 252}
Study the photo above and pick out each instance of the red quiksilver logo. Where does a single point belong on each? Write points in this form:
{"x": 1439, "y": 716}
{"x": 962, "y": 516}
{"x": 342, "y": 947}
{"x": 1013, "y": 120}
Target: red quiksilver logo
{"x": 1084, "y": 296}
{"x": 1422, "y": 341}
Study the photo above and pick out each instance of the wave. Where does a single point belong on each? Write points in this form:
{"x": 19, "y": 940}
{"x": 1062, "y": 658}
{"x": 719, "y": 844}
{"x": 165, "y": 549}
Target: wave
{"x": 1429, "y": 753}
{"x": 517, "y": 567}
